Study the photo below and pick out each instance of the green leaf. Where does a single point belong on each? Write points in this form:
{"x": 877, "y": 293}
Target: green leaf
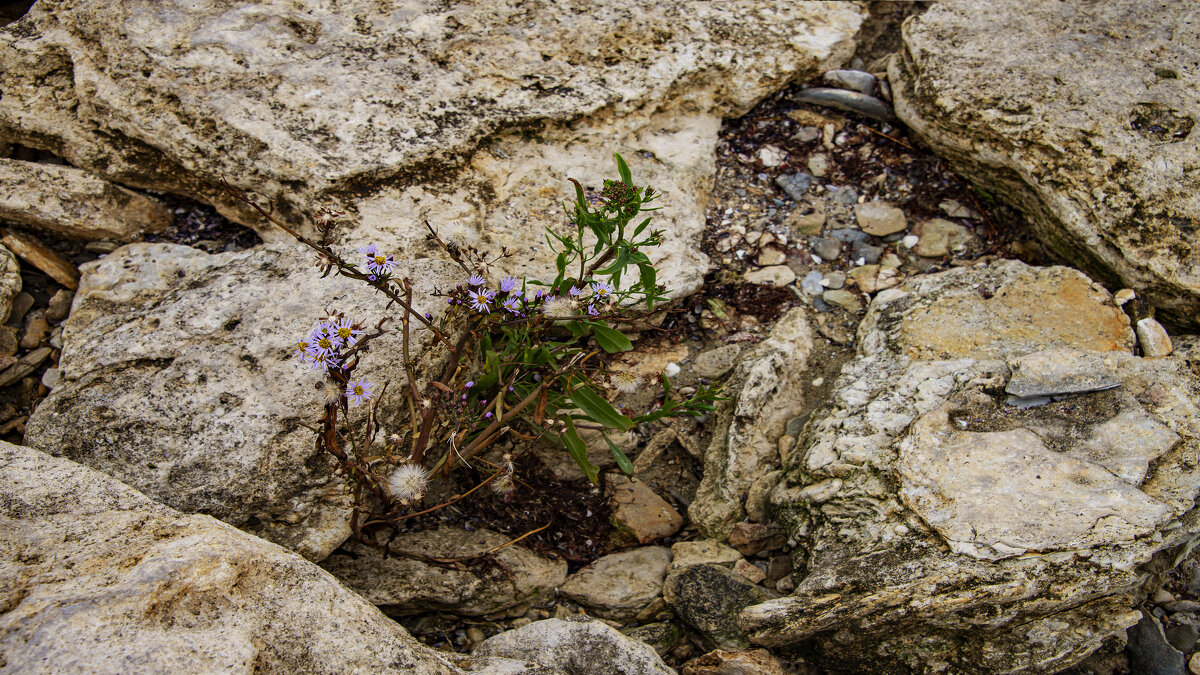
{"x": 491, "y": 371}
{"x": 597, "y": 409}
{"x": 616, "y": 266}
{"x": 623, "y": 169}
{"x": 611, "y": 340}
{"x": 622, "y": 461}
{"x": 649, "y": 282}
{"x": 577, "y": 329}
{"x": 578, "y": 451}
{"x": 561, "y": 263}
{"x": 642, "y": 226}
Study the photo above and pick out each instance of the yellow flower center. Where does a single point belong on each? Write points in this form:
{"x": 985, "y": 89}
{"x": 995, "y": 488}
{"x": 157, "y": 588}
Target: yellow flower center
{"x": 380, "y": 259}
{"x": 358, "y": 391}
{"x": 343, "y": 332}
{"x": 324, "y": 343}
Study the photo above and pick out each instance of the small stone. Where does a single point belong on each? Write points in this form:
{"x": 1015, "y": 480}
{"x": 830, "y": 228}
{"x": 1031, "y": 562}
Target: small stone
{"x": 869, "y": 254}
{"x": 101, "y": 247}
{"x": 873, "y": 278}
{"x": 850, "y": 101}
{"x": 910, "y": 240}
{"x": 785, "y": 585}
{"x": 702, "y": 552}
{"x": 939, "y": 237}
{"x": 806, "y": 134}
{"x": 1149, "y": 651}
{"x": 8, "y": 340}
{"x": 811, "y": 283}
{"x": 748, "y": 571}
{"x": 1153, "y": 339}
{"x": 1182, "y": 636}
{"x": 754, "y": 538}
{"x": 879, "y": 218}
{"x": 720, "y": 662}
{"x": 1123, "y": 296}
{"x": 60, "y": 305}
{"x": 844, "y": 299}
{"x": 25, "y": 366}
{"x": 662, "y": 636}
{"x": 833, "y": 280}
{"x": 771, "y": 156}
{"x": 42, "y": 257}
{"x": 36, "y": 329}
{"x": 779, "y": 567}
{"x": 671, "y": 370}
{"x": 795, "y": 184}
{"x": 21, "y": 304}
{"x": 475, "y": 636}
{"x": 854, "y": 80}
{"x": 55, "y": 337}
{"x": 716, "y": 363}
{"x": 890, "y": 259}
{"x": 779, "y": 275}
{"x": 709, "y": 599}
{"x": 1194, "y": 664}
{"x": 51, "y": 377}
{"x": 843, "y": 195}
{"x": 1162, "y": 596}
{"x": 639, "y": 511}
{"x": 818, "y": 165}
{"x": 805, "y": 224}
{"x": 826, "y": 247}
{"x": 771, "y": 256}
{"x": 849, "y": 235}
{"x": 955, "y": 210}
{"x": 619, "y": 585}
{"x": 753, "y": 237}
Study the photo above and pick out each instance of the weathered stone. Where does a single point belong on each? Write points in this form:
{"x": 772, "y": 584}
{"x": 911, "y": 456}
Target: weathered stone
{"x": 1153, "y": 338}
{"x": 805, "y": 224}
{"x": 873, "y": 278}
{"x": 850, "y": 101}
{"x": 717, "y": 362}
{"x": 66, "y": 201}
{"x": 771, "y": 156}
{"x": 937, "y": 526}
{"x": 847, "y": 300}
{"x": 36, "y": 329}
{"x": 702, "y": 552}
{"x": 23, "y": 367}
{"x": 771, "y": 255}
{"x": 178, "y": 379}
{"x": 1061, "y": 371}
{"x": 403, "y": 585}
{"x": 10, "y": 282}
{"x": 708, "y": 599}
{"x": 619, "y": 585}
{"x": 937, "y": 237}
{"x": 402, "y": 114}
{"x": 795, "y": 185}
{"x": 766, "y": 392}
{"x": 1051, "y": 114}
{"x": 746, "y": 570}
{"x": 1149, "y": 651}
{"x": 42, "y": 257}
{"x": 639, "y": 511}
{"x": 856, "y": 80}
{"x": 752, "y": 538}
{"x": 577, "y": 646}
{"x": 97, "y": 578}
{"x": 879, "y": 218}
{"x": 59, "y": 305}
{"x": 776, "y": 275}
{"x": 662, "y": 636}
{"x": 748, "y": 662}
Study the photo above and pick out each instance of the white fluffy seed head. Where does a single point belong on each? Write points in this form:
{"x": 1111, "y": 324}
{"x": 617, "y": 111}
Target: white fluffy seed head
{"x": 559, "y": 308}
{"x": 331, "y": 392}
{"x": 408, "y": 482}
{"x": 458, "y": 236}
{"x": 625, "y": 381}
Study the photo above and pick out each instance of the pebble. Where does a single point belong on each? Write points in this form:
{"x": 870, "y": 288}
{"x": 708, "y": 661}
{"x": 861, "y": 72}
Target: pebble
{"x": 638, "y": 510}
{"x": 1162, "y": 596}
{"x": 870, "y": 255}
{"x": 849, "y": 235}
{"x": 854, "y": 80}
{"x": 826, "y": 247}
{"x": 748, "y": 571}
{"x": 475, "y": 636}
{"x": 785, "y": 585}
{"x": 842, "y": 298}
{"x": 717, "y": 362}
{"x": 795, "y": 184}
{"x": 939, "y": 237}
{"x": 879, "y": 218}
{"x": 771, "y": 156}
{"x": 34, "y": 252}
{"x": 1153, "y": 339}
{"x": 833, "y": 280}
{"x": 771, "y": 256}
{"x": 1123, "y": 296}
{"x": 890, "y": 259}
{"x": 807, "y": 223}
{"x": 806, "y": 135}
{"x": 818, "y": 165}
{"x": 36, "y": 330}
{"x": 51, "y": 377}
{"x": 671, "y": 370}
{"x": 779, "y": 275}
{"x": 60, "y": 305}
{"x": 910, "y": 240}
{"x": 702, "y": 552}
{"x": 25, "y": 366}
{"x": 8, "y": 340}
{"x": 1194, "y": 664}
{"x": 811, "y": 283}
{"x": 101, "y": 247}
{"x": 20, "y": 306}
{"x": 843, "y": 195}
{"x": 850, "y": 101}
{"x": 955, "y": 210}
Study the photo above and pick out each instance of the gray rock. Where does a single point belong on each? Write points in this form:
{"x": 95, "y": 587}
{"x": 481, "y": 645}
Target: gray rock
{"x": 1150, "y": 652}
{"x": 849, "y": 235}
{"x": 716, "y": 363}
{"x": 10, "y": 285}
{"x": 843, "y": 195}
{"x": 1153, "y": 338}
{"x": 854, "y": 80}
{"x": 850, "y": 101}
{"x": 847, "y": 300}
{"x": 1120, "y": 193}
{"x": 619, "y": 585}
{"x": 870, "y": 255}
{"x": 708, "y": 599}
{"x": 795, "y": 185}
{"x": 826, "y": 247}
{"x": 811, "y": 283}
{"x": 97, "y": 578}
{"x": 879, "y": 218}
{"x": 662, "y": 636}
{"x": 177, "y": 378}
{"x": 576, "y": 646}
{"x": 979, "y": 494}
{"x": 1061, "y": 371}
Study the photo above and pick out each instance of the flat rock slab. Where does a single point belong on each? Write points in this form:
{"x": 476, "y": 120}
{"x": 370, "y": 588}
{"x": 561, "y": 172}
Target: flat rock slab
{"x": 937, "y": 523}
{"x": 578, "y": 646}
{"x": 1042, "y": 106}
{"x": 177, "y": 377}
{"x": 97, "y": 578}
{"x": 1061, "y": 371}
{"x": 620, "y": 585}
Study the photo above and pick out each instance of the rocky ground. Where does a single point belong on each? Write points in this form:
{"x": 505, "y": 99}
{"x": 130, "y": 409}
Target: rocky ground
{"x": 882, "y": 305}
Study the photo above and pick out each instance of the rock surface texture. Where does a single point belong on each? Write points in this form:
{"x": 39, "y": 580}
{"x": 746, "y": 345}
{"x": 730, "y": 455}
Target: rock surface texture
{"x": 1046, "y": 106}
{"x": 943, "y": 520}
{"x": 460, "y": 112}
{"x": 97, "y": 578}
{"x": 177, "y": 378}
{"x": 577, "y": 646}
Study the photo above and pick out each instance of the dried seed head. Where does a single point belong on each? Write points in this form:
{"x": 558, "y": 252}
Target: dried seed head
{"x": 458, "y": 236}
{"x": 559, "y": 308}
{"x": 408, "y": 482}
{"x": 503, "y": 484}
{"x": 625, "y": 381}
{"x": 331, "y": 392}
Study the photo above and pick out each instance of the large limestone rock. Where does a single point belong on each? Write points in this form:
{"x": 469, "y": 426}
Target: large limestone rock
{"x": 97, "y": 578}
{"x": 1083, "y": 117}
{"x": 943, "y": 522}
{"x": 766, "y": 392}
{"x": 177, "y": 378}
{"x": 450, "y": 112}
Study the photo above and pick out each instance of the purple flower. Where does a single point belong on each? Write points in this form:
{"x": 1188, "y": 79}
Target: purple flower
{"x": 369, "y": 250}
{"x": 428, "y": 316}
{"x": 591, "y": 309}
{"x": 323, "y": 340}
{"x": 469, "y": 384}
{"x": 378, "y": 263}
{"x": 359, "y": 390}
{"x": 487, "y": 415}
{"x": 324, "y": 362}
{"x": 480, "y": 299}
{"x": 602, "y": 290}
{"x": 575, "y": 291}
{"x": 507, "y": 284}
{"x": 344, "y": 330}
{"x": 301, "y": 353}
{"x": 475, "y": 280}
{"x": 513, "y": 305}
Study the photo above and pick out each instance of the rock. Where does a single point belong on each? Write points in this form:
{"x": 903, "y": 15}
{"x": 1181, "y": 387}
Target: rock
{"x": 576, "y": 646}
{"x": 955, "y": 210}
{"x": 51, "y": 377}
{"x": 10, "y": 283}
{"x": 752, "y": 538}
{"x": 639, "y": 511}
{"x": 1153, "y": 339}
{"x": 1182, "y": 636}
{"x": 771, "y": 255}
{"x": 68, "y": 202}
{"x": 59, "y": 305}
{"x": 833, "y": 280}
{"x": 1119, "y": 189}
{"x": 748, "y": 662}
{"x": 177, "y": 377}
{"x": 794, "y": 184}
{"x": 23, "y": 367}
{"x": 42, "y": 257}
{"x": 1123, "y": 296}
{"x": 818, "y": 165}
{"x": 849, "y": 235}
{"x": 759, "y": 495}
{"x": 619, "y": 585}
{"x": 401, "y": 585}
{"x": 21, "y": 304}
{"x": 873, "y": 278}
{"x": 776, "y": 275}
{"x": 98, "y": 578}
{"x": 879, "y": 218}
{"x": 746, "y": 570}
{"x": 938, "y": 237}
{"x": 806, "y": 223}
{"x": 771, "y": 156}
{"x": 811, "y": 283}
{"x": 702, "y": 552}
{"x": 826, "y": 247}
{"x": 403, "y": 119}
{"x": 1003, "y": 538}
{"x": 662, "y": 636}
{"x": 842, "y": 195}
{"x": 854, "y": 80}
{"x": 865, "y": 254}
{"x": 847, "y": 300}
{"x": 1194, "y": 664}
{"x": 36, "y": 329}
{"x": 708, "y": 599}
{"x": 1061, "y": 371}
{"x": 850, "y": 101}
{"x": 716, "y": 363}
{"x": 765, "y": 391}
{"x": 1149, "y": 651}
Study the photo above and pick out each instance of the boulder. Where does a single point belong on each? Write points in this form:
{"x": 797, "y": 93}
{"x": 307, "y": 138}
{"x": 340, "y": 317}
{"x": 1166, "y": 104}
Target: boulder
{"x": 708, "y": 598}
{"x": 177, "y": 378}
{"x": 619, "y": 585}
{"x": 577, "y": 646}
{"x": 97, "y": 578}
{"x": 766, "y": 392}
{"x": 941, "y": 521}
{"x": 408, "y": 585}
{"x": 1043, "y": 107}
{"x": 470, "y": 113}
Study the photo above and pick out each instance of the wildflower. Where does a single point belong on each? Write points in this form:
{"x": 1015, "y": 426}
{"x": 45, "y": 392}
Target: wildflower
{"x": 323, "y": 362}
{"x": 475, "y": 280}
{"x": 513, "y": 305}
{"x": 625, "y": 381}
{"x": 487, "y": 415}
{"x": 575, "y": 291}
{"x": 469, "y": 384}
{"x": 558, "y": 308}
{"x": 345, "y": 331}
{"x": 359, "y": 390}
{"x": 323, "y": 340}
{"x": 480, "y": 299}
{"x": 602, "y": 290}
{"x": 379, "y": 263}
{"x": 331, "y": 392}
{"x": 408, "y": 482}
{"x": 302, "y": 351}
{"x": 369, "y": 250}
{"x": 508, "y": 284}
{"x": 591, "y": 309}
{"x": 458, "y": 236}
